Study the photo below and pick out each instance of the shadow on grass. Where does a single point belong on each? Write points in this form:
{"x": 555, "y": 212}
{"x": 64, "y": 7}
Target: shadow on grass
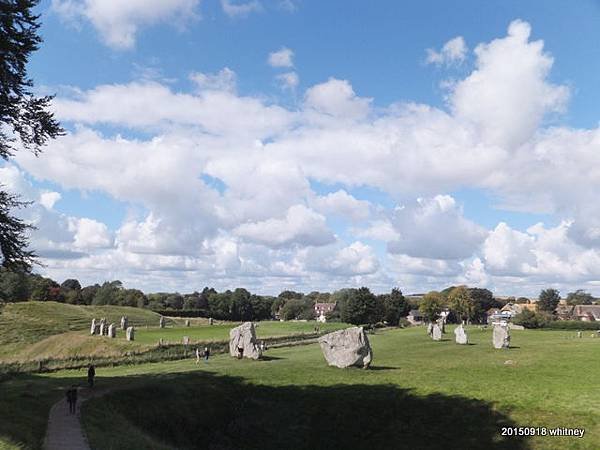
{"x": 203, "y": 410}
{"x": 270, "y": 358}
{"x": 383, "y": 368}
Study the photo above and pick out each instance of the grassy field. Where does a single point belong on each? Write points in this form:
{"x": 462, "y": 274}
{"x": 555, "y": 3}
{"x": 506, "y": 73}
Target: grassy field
{"x": 419, "y": 394}
{"x": 221, "y": 332}
{"x": 34, "y": 331}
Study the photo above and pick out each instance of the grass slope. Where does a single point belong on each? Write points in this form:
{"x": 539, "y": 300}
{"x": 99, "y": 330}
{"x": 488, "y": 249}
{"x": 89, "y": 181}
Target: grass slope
{"x": 23, "y": 324}
{"x": 419, "y": 394}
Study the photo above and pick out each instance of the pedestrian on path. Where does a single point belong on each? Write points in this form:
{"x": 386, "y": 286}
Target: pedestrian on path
{"x": 91, "y": 374}
{"x": 197, "y": 355}
{"x": 72, "y": 399}
{"x": 206, "y": 354}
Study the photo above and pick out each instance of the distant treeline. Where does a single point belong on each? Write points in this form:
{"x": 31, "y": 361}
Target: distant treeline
{"x": 357, "y": 306}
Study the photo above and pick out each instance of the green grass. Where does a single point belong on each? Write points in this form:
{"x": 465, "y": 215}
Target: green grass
{"x": 221, "y": 332}
{"x": 419, "y": 394}
{"x": 23, "y": 324}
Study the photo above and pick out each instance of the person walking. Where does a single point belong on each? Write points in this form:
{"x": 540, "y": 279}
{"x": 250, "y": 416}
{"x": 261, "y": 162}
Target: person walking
{"x": 206, "y": 354}
{"x": 72, "y": 399}
{"x": 73, "y": 404}
{"x": 69, "y": 394}
{"x": 91, "y": 374}
{"x": 197, "y": 355}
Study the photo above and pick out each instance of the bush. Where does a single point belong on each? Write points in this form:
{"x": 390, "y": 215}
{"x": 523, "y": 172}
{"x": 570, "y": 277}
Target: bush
{"x": 531, "y": 319}
{"x": 404, "y": 323}
{"x": 573, "y": 325}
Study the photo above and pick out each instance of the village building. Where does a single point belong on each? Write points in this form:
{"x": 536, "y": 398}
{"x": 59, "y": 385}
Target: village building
{"x": 415, "y": 317}
{"x": 586, "y": 313}
{"x": 322, "y": 310}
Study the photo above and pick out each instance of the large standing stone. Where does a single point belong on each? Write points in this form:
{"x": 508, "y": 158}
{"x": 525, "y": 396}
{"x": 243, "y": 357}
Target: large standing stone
{"x": 102, "y": 327}
{"x": 442, "y": 324}
{"x": 210, "y": 320}
{"x": 124, "y": 322}
{"x": 187, "y": 322}
{"x": 130, "y": 333}
{"x": 345, "y": 348}
{"x": 501, "y": 336}
{"x": 436, "y": 334}
{"x": 93, "y": 327}
{"x": 430, "y": 329}
{"x": 112, "y": 330}
{"x": 243, "y": 343}
{"x": 186, "y": 340}
{"x": 161, "y": 322}
{"x": 461, "y": 335}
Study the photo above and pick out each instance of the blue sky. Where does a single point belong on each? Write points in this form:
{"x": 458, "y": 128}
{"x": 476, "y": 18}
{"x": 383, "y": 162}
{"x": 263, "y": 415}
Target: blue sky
{"x": 315, "y": 145}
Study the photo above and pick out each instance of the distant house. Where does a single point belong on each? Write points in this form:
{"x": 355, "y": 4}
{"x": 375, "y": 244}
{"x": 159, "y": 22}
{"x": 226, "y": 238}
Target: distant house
{"x": 415, "y": 317}
{"x": 512, "y": 309}
{"x": 322, "y": 309}
{"x": 586, "y": 313}
{"x": 564, "y": 311}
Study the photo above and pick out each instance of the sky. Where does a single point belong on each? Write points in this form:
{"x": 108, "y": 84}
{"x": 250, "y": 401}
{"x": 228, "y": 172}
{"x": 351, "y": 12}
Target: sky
{"x": 296, "y": 144}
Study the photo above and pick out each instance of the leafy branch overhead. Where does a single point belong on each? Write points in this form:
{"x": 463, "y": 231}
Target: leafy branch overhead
{"x": 25, "y": 119}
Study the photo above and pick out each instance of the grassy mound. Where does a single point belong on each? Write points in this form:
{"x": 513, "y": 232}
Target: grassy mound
{"x": 24, "y": 324}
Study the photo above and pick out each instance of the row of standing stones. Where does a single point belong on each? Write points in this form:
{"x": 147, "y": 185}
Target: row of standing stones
{"x": 349, "y": 347}
{"x": 101, "y": 328}
{"x": 500, "y": 335}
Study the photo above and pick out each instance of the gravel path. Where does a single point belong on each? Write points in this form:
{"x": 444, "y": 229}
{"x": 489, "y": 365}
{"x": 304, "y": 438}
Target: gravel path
{"x": 64, "y": 430}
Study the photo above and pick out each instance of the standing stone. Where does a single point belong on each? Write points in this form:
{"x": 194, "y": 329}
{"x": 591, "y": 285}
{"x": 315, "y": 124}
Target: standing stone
{"x": 501, "y": 336}
{"x": 243, "y": 343}
{"x": 161, "y": 322}
{"x": 345, "y": 348}
{"x": 130, "y": 334}
{"x": 210, "y": 320}
{"x": 93, "y": 327}
{"x": 579, "y": 334}
{"x": 112, "y": 330}
{"x": 187, "y": 322}
{"x": 124, "y": 323}
{"x": 430, "y": 329}
{"x": 461, "y": 335}
{"x": 102, "y": 327}
{"x": 442, "y": 324}
{"x": 436, "y": 334}
{"x": 186, "y": 340}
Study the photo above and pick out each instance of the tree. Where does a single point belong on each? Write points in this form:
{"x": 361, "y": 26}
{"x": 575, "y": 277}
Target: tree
{"x": 395, "y": 306}
{"x": 461, "y": 303}
{"x": 241, "y": 308}
{"x": 360, "y": 307}
{"x": 71, "y": 291}
{"x": 431, "y": 306}
{"x": 483, "y": 300}
{"x": 548, "y": 300}
{"x": 88, "y": 293}
{"x": 14, "y": 286}
{"x": 579, "y": 297}
{"x": 108, "y": 294}
{"x": 45, "y": 290}
{"x": 71, "y": 284}
{"x": 24, "y": 118}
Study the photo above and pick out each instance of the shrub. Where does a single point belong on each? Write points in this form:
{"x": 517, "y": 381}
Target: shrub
{"x": 531, "y": 319}
{"x": 573, "y": 325}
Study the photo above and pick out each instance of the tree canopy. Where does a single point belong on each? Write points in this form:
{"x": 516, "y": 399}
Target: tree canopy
{"x": 25, "y": 120}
